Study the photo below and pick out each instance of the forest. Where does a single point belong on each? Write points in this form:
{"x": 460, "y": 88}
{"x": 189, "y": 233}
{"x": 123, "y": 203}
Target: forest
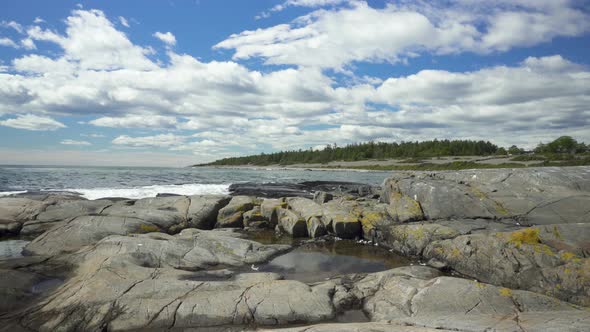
{"x": 412, "y": 151}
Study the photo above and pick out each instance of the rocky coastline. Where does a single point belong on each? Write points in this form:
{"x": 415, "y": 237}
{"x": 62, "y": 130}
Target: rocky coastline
{"x": 503, "y": 249}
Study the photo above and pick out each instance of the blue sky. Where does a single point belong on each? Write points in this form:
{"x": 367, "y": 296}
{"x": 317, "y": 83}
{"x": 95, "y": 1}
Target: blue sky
{"x": 171, "y": 83}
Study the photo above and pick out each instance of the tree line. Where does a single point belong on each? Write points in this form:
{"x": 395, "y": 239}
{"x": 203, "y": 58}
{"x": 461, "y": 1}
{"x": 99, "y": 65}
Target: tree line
{"x": 410, "y": 150}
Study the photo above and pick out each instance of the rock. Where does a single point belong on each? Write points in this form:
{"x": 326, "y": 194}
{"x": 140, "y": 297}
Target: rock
{"x": 232, "y": 214}
{"x": 85, "y": 230}
{"x": 316, "y": 227}
{"x": 60, "y": 212}
{"x": 303, "y": 189}
{"x": 167, "y": 213}
{"x": 144, "y": 282}
{"x": 15, "y": 211}
{"x": 15, "y": 288}
{"x": 269, "y": 209}
{"x": 404, "y": 209}
{"x": 292, "y": 223}
{"x": 203, "y": 210}
{"x": 358, "y": 327}
{"x": 519, "y": 259}
{"x": 374, "y": 218}
{"x": 535, "y": 196}
{"x": 342, "y": 219}
{"x": 311, "y": 212}
{"x": 322, "y": 197}
{"x": 460, "y": 304}
{"x": 8, "y": 227}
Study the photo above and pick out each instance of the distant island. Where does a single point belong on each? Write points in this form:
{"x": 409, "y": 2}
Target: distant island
{"x": 426, "y": 155}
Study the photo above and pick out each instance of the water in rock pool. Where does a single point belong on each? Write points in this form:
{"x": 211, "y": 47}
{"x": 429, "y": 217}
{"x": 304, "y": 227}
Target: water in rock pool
{"x": 139, "y": 182}
{"x": 318, "y": 260}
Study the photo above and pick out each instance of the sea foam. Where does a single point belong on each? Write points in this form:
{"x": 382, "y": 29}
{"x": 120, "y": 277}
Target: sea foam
{"x": 146, "y": 191}
{"x": 152, "y": 191}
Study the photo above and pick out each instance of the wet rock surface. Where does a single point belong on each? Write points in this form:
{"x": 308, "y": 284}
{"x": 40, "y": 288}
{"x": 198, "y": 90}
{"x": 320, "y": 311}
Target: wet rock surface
{"x": 511, "y": 250}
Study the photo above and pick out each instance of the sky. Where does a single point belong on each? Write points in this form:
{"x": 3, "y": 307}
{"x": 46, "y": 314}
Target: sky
{"x": 179, "y": 82}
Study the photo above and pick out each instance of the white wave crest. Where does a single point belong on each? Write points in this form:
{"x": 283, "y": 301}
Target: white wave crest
{"x": 152, "y": 191}
{"x": 6, "y": 193}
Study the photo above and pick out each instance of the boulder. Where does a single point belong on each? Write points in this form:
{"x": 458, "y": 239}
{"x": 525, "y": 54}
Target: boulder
{"x": 311, "y": 212}
{"x": 322, "y": 197}
{"x": 203, "y": 209}
{"x": 254, "y": 218}
{"x": 269, "y": 209}
{"x": 16, "y": 211}
{"x": 292, "y": 223}
{"x": 232, "y": 214}
{"x": 342, "y": 218}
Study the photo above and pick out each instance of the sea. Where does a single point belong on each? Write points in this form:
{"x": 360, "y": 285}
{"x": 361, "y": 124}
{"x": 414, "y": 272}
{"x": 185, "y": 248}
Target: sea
{"x": 141, "y": 182}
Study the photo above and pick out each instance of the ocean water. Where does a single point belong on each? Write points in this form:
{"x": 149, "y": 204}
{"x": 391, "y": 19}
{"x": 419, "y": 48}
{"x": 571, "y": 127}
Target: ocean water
{"x": 140, "y": 182}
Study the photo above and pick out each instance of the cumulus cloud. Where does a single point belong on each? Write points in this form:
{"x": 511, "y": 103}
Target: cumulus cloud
{"x": 74, "y": 142}
{"x": 32, "y": 122}
{"x": 136, "y": 121}
{"x": 89, "y": 36}
{"x": 301, "y": 3}
{"x": 13, "y": 25}
{"x": 219, "y": 107}
{"x": 162, "y": 141}
{"x": 335, "y": 38}
{"x": 167, "y": 37}
{"x": 7, "y": 42}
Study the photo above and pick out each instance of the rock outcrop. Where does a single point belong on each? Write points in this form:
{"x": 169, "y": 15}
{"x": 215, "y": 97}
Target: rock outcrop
{"x": 475, "y": 223}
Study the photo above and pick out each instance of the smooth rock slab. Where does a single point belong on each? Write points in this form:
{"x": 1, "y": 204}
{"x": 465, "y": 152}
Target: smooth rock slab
{"x": 86, "y": 230}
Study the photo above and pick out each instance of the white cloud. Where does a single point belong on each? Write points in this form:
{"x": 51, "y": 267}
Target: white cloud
{"x": 162, "y": 141}
{"x": 92, "y": 41}
{"x": 301, "y": 3}
{"x": 308, "y": 3}
{"x": 7, "y": 42}
{"x": 28, "y": 44}
{"x": 136, "y": 121}
{"x": 93, "y": 135}
{"x": 32, "y": 122}
{"x": 74, "y": 142}
{"x": 38, "y": 20}
{"x": 338, "y": 37}
{"x": 12, "y": 24}
{"x": 167, "y": 37}
{"x": 124, "y": 21}
{"x": 217, "y": 108}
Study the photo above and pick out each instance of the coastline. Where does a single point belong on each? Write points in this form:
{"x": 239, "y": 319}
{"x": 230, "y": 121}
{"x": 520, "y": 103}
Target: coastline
{"x": 421, "y": 164}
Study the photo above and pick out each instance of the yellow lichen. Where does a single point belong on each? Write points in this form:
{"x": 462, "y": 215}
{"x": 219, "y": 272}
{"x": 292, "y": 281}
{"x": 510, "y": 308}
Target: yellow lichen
{"x": 528, "y": 236}
{"x": 566, "y": 255}
{"x": 480, "y": 285}
{"x": 148, "y": 228}
{"x": 556, "y": 232}
{"x": 418, "y": 233}
{"x": 505, "y": 292}
{"x": 455, "y": 253}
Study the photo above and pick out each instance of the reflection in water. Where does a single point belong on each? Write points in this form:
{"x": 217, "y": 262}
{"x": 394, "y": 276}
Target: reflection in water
{"x": 321, "y": 260}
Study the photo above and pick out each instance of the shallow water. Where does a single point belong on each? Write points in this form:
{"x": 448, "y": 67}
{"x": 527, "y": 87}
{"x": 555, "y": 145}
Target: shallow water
{"x": 317, "y": 261}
